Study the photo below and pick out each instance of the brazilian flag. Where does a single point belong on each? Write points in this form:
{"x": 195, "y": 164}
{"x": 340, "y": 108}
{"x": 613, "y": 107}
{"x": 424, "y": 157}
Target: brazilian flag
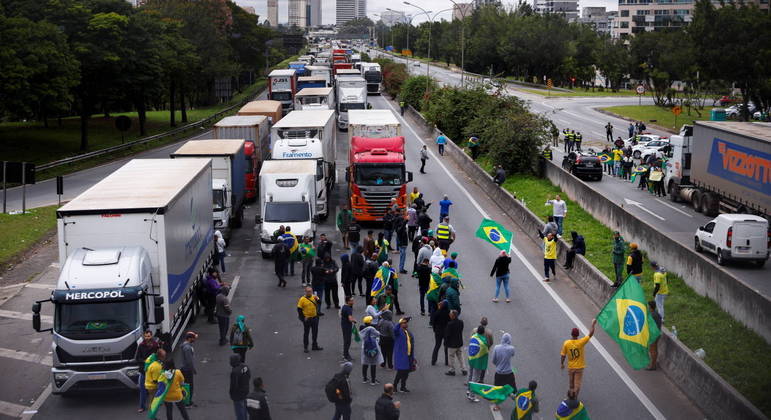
{"x": 478, "y": 352}
{"x": 605, "y": 158}
{"x": 164, "y": 383}
{"x": 626, "y": 319}
{"x": 493, "y": 232}
{"x": 382, "y": 254}
{"x": 433, "y": 288}
{"x": 566, "y": 413}
{"x": 524, "y": 404}
{"x": 379, "y": 283}
{"x": 496, "y": 394}
{"x": 355, "y": 334}
{"x": 640, "y": 169}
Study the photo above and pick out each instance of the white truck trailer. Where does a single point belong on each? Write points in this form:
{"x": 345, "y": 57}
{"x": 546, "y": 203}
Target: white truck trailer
{"x": 351, "y": 93}
{"x": 133, "y": 249}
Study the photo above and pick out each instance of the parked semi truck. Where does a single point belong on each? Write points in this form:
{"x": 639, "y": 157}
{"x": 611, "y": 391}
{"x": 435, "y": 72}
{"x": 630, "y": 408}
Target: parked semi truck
{"x": 228, "y": 165}
{"x": 133, "y": 249}
{"x": 374, "y": 77}
{"x": 722, "y": 167}
{"x": 287, "y": 198}
{"x": 351, "y": 93}
{"x": 255, "y": 129}
{"x": 315, "y": 98}
{"x": 310, "y": 135}
{"x": 376, "y": 172}
{"x": 282, "y": 86}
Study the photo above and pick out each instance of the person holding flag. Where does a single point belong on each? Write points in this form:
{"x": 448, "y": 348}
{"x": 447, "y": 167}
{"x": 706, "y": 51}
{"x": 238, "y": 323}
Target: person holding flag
{"x": 153, "y": 370}
{"x": 571, "y": 409}
{"x": 382, "y": 248}
{"x": 478, "y": 354}
{"x": 381, "y": 280}
{"x": 294, "y": 247}
{"x": 495, "y": 394}
{"x": 525, "y": 403}
{"x": 175, "y": 392}
{"x": 573, "y": 350}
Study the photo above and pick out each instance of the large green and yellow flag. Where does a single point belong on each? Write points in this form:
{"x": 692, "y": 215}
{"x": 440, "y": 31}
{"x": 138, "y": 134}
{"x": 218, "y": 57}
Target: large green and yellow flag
{"x": 627, "y": 320}
{"x": 493, "y": 232}
{"x": 496, "y": 394}
{"x": 433, "y": 288}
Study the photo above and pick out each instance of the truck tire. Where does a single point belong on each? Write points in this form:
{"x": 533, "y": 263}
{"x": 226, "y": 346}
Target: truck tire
{"x": 760, "y": 263}
{"x": 696, "y": 201}
{"x": 709, "y": 204}
{"x": 674, "y": 192}
{"x": 720, "y": 257}
{"x": 697, "y": 244}
{"x": 265, "y": 255}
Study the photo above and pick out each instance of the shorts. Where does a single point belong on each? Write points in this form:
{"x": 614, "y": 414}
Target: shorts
{"x": 502, "y": 379}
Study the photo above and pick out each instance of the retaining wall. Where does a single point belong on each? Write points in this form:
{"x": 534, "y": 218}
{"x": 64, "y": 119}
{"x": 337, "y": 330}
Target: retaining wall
{"x": 713, "y": 395}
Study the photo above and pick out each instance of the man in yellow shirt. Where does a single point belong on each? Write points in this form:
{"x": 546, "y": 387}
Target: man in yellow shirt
{"x": 573, "y": 350}
{"x": 617, "y": 155}
{"x": 153, "y": 371}
{"x": 549, "y": 255}
{"x": 660, "y": 287}
{"x": 308, "y": 313}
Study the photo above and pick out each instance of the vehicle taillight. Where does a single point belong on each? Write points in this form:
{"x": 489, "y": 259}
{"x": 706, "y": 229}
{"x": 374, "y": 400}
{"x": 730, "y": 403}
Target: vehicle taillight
{"x": 578, "y": 160}
{"x": 729, "y": 236}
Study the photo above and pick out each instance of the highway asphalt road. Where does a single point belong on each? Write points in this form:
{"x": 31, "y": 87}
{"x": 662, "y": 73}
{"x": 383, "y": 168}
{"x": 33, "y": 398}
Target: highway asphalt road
{"x": 678, "y": 220}
{"x": 539, "y": 318}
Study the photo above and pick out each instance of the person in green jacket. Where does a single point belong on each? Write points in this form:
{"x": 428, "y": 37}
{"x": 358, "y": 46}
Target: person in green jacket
{"x": 344, "y": 220}
{"x": 307, "y": 255}
{"x": 618, "y": 257}
{"x": 525, "y": 402}
{"x": 241, "y": 338}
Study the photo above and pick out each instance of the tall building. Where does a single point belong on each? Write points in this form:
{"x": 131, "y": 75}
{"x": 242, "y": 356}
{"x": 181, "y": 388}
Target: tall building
{"x": 392, "y": 17}
{"x": 273, "y": 12}
{"x": 599, "y": 18}
{"x": 315, "y": 14}
{"x": 349, "y": 10}
{"x": 298, "y": 13}
{"x": 480, "y": 3}
{"x": 567, "y": 7}
{"x": 461, "y": 10}
{"x": 635, "y": 16}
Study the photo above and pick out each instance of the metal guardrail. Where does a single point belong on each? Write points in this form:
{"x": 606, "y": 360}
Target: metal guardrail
{"x": 101, "y": 152}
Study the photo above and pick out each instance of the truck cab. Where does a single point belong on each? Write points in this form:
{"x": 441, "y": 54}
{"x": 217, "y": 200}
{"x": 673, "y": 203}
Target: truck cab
{"x": 315, "y": 98}
{"x": 374, "y": 77}
{"x": 282, "y": 86}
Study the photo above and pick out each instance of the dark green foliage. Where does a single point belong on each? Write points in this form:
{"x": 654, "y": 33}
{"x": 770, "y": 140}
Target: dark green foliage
{"x": 414, "y": 90}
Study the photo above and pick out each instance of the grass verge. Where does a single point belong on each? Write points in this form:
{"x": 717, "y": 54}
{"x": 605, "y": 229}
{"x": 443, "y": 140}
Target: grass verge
{"x": 658, "y": 115}
{"x": 732, "y": 350}
{"x": 21, "y": 231}
{"x": 580, "y": 92}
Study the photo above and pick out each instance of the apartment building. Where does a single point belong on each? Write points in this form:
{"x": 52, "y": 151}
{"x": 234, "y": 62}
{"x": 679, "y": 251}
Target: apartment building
{"x": 567, "y": 7}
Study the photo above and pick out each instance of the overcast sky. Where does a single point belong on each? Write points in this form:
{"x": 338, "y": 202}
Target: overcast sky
{"x": 377, "y": 6}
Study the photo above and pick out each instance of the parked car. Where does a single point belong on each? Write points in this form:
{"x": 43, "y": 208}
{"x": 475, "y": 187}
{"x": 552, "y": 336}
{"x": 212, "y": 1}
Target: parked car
{"x": 583, "y": 165}
{"x": 641, "y": 148}
{"x": 734, "y": 111}
{"x": 727, "y": 100}
{"x": 641, "y": 139}
{"x": 735, "y": 237}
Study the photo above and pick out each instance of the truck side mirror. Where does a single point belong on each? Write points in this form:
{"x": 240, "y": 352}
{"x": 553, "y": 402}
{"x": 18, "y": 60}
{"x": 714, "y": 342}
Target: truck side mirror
{"x": 409, "y": 176}
{"x": 158, "y": 301}
{"x": 36, "y": 316}
{"x": 158, "y": 306}
{"x": 257, "y": 220}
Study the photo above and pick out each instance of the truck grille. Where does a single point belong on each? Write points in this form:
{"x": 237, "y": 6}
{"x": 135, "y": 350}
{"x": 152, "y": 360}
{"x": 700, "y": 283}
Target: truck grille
{"x": 378, "y": 200}
{"x": 127, "y": 354}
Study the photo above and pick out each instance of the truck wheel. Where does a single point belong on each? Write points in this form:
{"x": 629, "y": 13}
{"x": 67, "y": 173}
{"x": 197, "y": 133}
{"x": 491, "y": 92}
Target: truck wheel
{"x": 697, "y": 244}
{"x": 239, "y": 218}
{"x": 265, "y": 254}
{"x": 598, "y": 178}
{"x": 674, "y": 192}
{"x": 696, "y": 201}
{"x": 720, "y": 257}
{"x": 709, "y": 205}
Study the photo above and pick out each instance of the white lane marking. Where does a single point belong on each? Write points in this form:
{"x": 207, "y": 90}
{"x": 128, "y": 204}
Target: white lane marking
{"x": 636, "y": 391}
{"x": 673, "y": 208}
{"x": 26, "y": 357}
{"x": 496, "y": 413}
{"x": 640, "y": 206}
{"x": 11, "y": 410}
{"x": 29, "y": 413}
{"x": 43, "y": 286}
{"x": 234, "y": 286}
{"x": 25, "y": 316}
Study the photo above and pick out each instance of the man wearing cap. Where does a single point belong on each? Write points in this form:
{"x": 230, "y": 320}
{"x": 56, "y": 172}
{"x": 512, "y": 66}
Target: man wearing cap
{"x": 453, "y": 258}
{"x": 573, "y": 350}
{"x": 618, "y": 257}
{"x": 188, "y": 362}
{"x": 634, "y": 262}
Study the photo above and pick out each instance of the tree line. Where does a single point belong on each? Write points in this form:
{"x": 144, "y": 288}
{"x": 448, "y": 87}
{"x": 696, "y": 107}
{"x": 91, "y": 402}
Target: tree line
{"x": 81, "y": 57}
{"x": 721, "y": 48}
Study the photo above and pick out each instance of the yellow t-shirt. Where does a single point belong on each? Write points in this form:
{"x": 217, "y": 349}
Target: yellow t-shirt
{"x": 617, "y": 154}
{"x": 175, "y": 389}
{"x": 661, "y": 279}
{"x": 574, "y": 351}
{"x": 152, "y": 375}
{"x": 308, "y": 305}
{"x": 550, "y": 249}
{"x": 413, "y": 196}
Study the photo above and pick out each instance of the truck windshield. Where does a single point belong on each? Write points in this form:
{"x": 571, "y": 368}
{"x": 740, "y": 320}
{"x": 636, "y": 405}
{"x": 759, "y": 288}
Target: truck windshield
{"x": 218, "y": 200}
{"x": 281, "y": 96}
{"x": 379, "y": 175}
{"x": 344, "y": 107}
{"x": 96, "y": 320}
{"x": 278, "y": 212}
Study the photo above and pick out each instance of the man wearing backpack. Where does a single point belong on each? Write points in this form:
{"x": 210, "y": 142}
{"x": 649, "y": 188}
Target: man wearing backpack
{"x": 338, "y": 391}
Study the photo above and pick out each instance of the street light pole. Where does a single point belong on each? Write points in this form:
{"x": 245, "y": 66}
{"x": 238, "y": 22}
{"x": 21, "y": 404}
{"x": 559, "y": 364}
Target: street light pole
{"x": 430, "y": 22}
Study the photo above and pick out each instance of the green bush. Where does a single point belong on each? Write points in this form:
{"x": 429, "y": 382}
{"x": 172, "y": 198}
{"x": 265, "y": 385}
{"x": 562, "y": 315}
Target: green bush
{"x": 414, "y": 91}
{"x": 394, "y": 75}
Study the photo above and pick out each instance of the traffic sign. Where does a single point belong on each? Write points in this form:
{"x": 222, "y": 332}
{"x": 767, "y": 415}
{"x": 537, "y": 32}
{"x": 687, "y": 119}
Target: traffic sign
{"x": 677, "y": 110}
{"x": 640, "y": 89}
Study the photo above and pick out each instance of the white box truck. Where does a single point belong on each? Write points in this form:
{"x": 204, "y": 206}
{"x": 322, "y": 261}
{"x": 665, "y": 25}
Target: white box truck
{"x": 255, "y": 129}
{"x": 315, "y": 98}
{"x": 288, "y": 198}
{"x": 373, "y": 124}
{"x": 133, "y": 249}
{"x": 351, "y": 93}
{"x": 228, "y": 166}
{"x": 310, "y": 135}
{"x": 374, "y": 77}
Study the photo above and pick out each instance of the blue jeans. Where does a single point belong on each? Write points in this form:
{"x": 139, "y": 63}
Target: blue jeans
{"x": 221, "y": 258}
{"x": 402, "y": 256}
{"x": 660, "y": 304}
{"x": 239, "y": 407}
{"x": 142, "y": 391}
{"x": 505, "y": 280}
{"x": 617, "y": 168}
{"x": 558, "y": 221}
{"x": 441, "y": 149}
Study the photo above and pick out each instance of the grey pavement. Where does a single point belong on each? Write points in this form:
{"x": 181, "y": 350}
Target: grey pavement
{"x": 678, "y": 220}
{"x": 539, "y": 318}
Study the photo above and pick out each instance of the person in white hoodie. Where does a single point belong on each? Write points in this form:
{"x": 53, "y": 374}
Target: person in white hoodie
{"x": 220, "y": 245}
{"x": 437, "y": 261}
{"x": 502, "y": 354}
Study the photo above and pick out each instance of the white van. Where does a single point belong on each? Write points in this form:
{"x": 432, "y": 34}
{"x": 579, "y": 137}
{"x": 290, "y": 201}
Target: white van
{"x": 737, "y": 237}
